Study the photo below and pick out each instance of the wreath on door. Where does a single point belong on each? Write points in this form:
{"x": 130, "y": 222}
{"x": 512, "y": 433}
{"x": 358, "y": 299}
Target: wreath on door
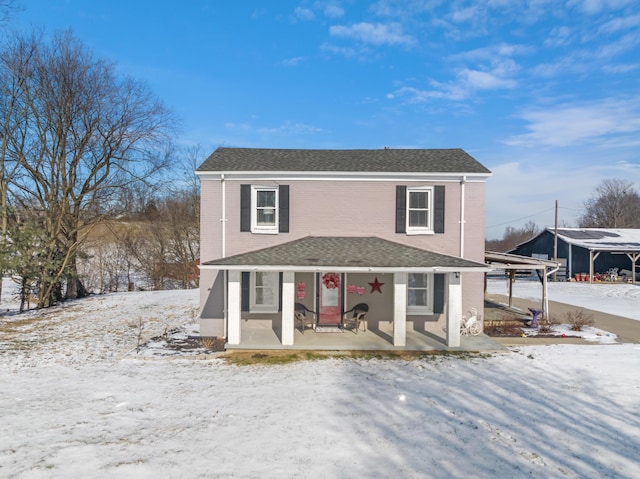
{"x": 331, "y": 280}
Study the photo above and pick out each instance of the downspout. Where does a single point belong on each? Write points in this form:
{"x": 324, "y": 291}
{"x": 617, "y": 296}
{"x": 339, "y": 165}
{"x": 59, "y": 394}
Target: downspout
{"x": 223, "y": 220}
{"x": 223, "y": 249}
{"x": 462, "y": 183}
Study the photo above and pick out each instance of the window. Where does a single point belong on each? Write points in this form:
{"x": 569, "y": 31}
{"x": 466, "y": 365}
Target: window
{"x": 264, "y": 209}
{"x": 264, "y": 291}
{"x": 419, "y": 293}
{"x": 419, "y": 210}
{"x": 264, "y": 206}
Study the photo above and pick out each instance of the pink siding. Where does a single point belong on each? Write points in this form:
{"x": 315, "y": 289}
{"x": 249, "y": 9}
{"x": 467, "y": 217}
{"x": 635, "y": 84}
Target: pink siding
{"x": 342, "y": 208}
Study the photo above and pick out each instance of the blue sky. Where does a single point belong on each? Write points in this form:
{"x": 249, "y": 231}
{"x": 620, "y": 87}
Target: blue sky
{"x": 545, "y": 93}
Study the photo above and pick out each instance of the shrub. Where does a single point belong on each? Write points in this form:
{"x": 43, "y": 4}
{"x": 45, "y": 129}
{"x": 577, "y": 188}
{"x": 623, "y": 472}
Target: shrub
{"x": 578, "y": 319}
{"x": 505, "y": 326}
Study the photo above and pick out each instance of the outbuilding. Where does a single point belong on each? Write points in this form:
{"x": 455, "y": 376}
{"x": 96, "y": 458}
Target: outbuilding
{"x": 587, "y": 254}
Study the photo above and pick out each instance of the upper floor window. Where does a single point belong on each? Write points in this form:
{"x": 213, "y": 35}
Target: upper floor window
{"x": 420, "y": 210}
{"x": 264, "y": 209}
{"x": 264, "y": 206}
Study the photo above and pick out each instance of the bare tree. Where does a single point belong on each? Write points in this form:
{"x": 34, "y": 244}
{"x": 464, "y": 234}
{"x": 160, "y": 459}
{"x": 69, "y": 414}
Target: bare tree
{"x": 85, "y": 134}
{"x": 7, "y": 8}
{"x": 14, "y": 64}
{"x": 512, "y": 237}
{"x": 613, "y": 204}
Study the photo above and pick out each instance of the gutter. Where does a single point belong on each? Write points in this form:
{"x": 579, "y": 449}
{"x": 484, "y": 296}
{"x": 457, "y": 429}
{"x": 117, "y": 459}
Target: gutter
{"x": 348, "y": 269}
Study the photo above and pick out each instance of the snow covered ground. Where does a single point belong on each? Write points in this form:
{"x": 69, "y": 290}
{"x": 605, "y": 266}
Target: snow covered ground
{"x": 619, "y": 299}
{"x": 77, "y": 402}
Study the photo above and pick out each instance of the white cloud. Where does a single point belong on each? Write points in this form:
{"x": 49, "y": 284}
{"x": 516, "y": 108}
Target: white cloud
{"x": 373, "y": 33}
{"x": 416, "y": 95}
{"x": 492, "y": 53}
{"x": 467, "y": 82}
{"x": 333, "y": 10}
{"x": 588, "y": 6}
{"x": 559, "y": 37}
{"x": 625, "y": 43}
{"x": 620, "y": 23}
{"x": 622, "y": 68}
{"x": 291, "y": 62}
{"x": 602, "y": 123}
{"x": 465, "y": 14}
{"x": 593, "y": 7}
{"x": 304, "y": 13}
{"x": 480, "y": 80}
{"x": 290, "y": 127}
{"x": 526, "y": 190}
{"x": 286, "y": 128}
{"x": 348, "y": 52}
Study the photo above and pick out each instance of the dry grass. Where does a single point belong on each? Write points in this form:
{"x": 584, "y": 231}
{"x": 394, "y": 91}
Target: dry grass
{"x": 276, "y": 357}
{"x": 505, "y": 325}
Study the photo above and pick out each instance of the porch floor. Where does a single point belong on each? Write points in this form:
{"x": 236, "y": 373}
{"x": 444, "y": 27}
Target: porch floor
{"x": 267, "y": 337}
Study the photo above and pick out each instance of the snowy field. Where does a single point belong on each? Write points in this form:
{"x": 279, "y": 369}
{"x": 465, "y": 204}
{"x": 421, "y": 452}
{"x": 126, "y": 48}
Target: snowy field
{"x": 76, "y": 402}
{"x": 619, "y": 299}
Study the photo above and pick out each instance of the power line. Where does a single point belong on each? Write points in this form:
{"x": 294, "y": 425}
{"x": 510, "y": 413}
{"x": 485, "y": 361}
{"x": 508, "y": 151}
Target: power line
{"x": 523, "y": 218}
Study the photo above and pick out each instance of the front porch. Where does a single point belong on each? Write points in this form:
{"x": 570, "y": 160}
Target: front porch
{"x": 264, "y": 335}
{"x": 419, "y": 286}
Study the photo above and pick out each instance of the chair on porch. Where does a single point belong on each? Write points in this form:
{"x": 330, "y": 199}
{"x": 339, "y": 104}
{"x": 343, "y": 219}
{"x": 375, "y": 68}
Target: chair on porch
{"x": 304, "y": 320}
{"x": 352, "y": 321}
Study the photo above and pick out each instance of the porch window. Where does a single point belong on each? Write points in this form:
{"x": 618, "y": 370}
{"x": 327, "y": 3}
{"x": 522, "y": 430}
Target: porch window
{"x": 264, "y": 201}
{"x": 419, "y": 210}
{"x": 264, "y": 292}
{"x": 420, "y": 293}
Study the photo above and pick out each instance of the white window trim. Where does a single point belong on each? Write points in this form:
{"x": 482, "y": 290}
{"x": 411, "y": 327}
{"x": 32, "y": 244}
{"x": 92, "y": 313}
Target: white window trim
{"x": 422, "y": 310}
{"x": 261, "y": 229}
{"x": 264, "y": 308}
{"x": 413, "y": 230}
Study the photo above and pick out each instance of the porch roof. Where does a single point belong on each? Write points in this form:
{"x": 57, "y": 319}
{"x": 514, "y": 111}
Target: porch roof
{"x": 345, "y": 253}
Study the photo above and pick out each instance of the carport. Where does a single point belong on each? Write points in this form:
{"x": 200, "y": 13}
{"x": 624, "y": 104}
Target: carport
{"x": 511, "y": 263}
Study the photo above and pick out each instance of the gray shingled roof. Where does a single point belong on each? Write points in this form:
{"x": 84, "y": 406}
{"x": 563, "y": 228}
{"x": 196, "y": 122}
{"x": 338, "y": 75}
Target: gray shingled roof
{"x": 345, "y": 253}
{"x": 453, "y": 160}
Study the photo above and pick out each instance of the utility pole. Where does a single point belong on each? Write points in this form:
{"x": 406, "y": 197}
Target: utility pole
{"x": 555, "y": 241}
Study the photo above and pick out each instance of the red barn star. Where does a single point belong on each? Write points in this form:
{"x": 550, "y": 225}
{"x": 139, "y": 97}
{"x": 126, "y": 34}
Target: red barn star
{"x": 376, "y": 286}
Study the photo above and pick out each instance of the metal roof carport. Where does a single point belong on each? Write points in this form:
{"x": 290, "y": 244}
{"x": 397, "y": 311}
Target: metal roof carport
{"x": 512, "y": 263}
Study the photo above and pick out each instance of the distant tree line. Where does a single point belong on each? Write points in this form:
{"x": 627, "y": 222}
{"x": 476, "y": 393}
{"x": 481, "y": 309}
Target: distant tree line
{"x": 83, "y": 148}
{"x": 614, "y": 203}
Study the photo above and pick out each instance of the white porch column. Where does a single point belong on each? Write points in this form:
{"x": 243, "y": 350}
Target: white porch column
{"x": 454, "y": 309}
{"x": 288, "y": 300}
{"x": 234, "y": 305}
{"x": 400, "y": 309}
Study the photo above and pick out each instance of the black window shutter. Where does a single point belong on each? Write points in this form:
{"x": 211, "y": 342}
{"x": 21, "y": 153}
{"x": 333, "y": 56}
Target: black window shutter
{"x": 438, "y": 212}
{"x": 438, "y": 293}
{"x": 245, "y": 285}
{"x": 401, "y": 209}
{"x": 283, "y": 206}
{"x": 245, "y": 207}
{"x": 280, "y": 278}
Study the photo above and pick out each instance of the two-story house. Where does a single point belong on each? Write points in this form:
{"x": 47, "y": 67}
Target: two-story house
{"x": 400, "y": 230}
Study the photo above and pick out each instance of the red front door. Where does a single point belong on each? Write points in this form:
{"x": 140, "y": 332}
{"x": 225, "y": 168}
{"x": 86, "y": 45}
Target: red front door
{"x": 330, "y": 296}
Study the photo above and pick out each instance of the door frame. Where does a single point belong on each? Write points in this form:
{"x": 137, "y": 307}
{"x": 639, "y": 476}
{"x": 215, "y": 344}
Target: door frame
{"x": 336, "y": 317}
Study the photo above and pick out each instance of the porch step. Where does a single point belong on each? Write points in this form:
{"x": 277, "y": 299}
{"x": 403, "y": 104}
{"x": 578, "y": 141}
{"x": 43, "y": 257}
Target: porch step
{"x": 328, "y": 329}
